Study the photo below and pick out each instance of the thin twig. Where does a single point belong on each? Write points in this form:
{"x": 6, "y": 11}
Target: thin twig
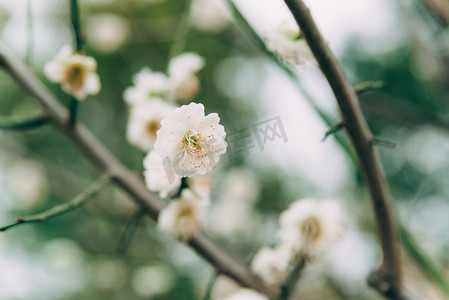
{"x": 184, "y": 185}
{"x": 210, "y": 286}
{"x": 384, "y": 143}
{"x": 130, "y": 230}
{"x": 130, "y": 182}
{"x": 334, "y": 130}
{"x": 62, "y": 208}
{"x": 361, "y": 137}
{"x": 73, "y": 110}
{"x": 30, "y": 33}
{"x": 182, "y": 32}
{"x": 24, "y": 123}
{"x": 292, "y": 279}
{"x": 74, "y": 14}
{"x": 368, "y": 86}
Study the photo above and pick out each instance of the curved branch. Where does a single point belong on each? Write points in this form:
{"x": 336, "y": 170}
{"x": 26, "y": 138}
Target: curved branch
{"x": 105, "y": 161}
{"x": 361, "y": 138}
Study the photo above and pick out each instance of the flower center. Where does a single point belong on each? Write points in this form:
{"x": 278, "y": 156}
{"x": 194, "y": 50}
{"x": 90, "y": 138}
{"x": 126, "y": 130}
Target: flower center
{"x": 155, "y": 94}
{"x": 312, "y": 229}
{"x": 186, "y": 212}
{"x": 293, "y": 35}
{"x": 74, "y": 76}
{"x": 153, "y": 126}
{"x": 194, "y": 143}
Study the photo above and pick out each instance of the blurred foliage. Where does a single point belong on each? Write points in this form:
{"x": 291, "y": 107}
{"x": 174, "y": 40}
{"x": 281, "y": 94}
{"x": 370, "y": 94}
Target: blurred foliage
{"x": 412, "y": 99}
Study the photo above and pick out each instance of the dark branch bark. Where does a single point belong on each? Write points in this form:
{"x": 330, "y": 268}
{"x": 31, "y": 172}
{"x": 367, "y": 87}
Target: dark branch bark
{"x": 107, "y": 163}
{"x": 367, "y": 155}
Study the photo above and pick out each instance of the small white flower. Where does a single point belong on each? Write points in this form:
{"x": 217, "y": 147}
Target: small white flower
{"x": 286, "y": 41}
{"x": 75, "y": 72}
{"x": 191, "y": 141}
{"x": 182, "y": 71}
{"x": 158, "y": 178}
{"x": 147, "y": 86}
{"x": 145, "y": 120}
{"x": 210, "y": 15}
{"x": 246, "y": 294}
{"x": 311, "y": 227}
{"x": 272, "y": 264}
{"x": 183, "y": 217}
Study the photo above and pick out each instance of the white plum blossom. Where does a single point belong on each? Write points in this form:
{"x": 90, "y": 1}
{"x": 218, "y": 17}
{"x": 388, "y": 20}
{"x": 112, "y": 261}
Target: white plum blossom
{"x": 157, "y": 177}
{"x": 210, "y": 15}
{"x": 183, "y": 217}
{"x": 311, "y": 227}
{"x": 286, "y": 41}
{"x": 145, "y": 120}
{"x": 75, "y": 72}
{"x": 191, "y": 141}
{"x": 182, "y": 71}
{"x": 147, "y": 86}
{"x": 272, "y": 264}
{"x": 245, "y": 294}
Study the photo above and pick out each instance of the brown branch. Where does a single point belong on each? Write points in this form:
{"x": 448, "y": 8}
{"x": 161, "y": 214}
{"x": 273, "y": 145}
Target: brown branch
{"x": 106, "y": 162}
{"x": 368, "y": 159}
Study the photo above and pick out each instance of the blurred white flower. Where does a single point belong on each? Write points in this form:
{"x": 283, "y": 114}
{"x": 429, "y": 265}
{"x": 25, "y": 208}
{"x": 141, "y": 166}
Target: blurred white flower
{"x": 107, "y": 32}
{"x": 190, "y": 141}
{"x": 145, "y": 120}
{"x": 239, "y": 185}
{"x": 210, "y": 15}
{"x": 231, "y": 218}
{"x": 75, "y": 72}
{"x": 201, "y": 185}
{"x": 147, "y": 85}
{"x": 182, "y": 70}
{"x": 110, "y": 274}
{"x": 311, "y": 227}
{"x": 288, "y": 44}
{"x": 65, "y": 266}
{"x": 272, "y": 264}
{"x": 158, "y": 178}
{"x": 28, "y": 183}
{"x": 245, "y": 294}
{"x": 183, "y": 217}
{"x": 148, "y": 281}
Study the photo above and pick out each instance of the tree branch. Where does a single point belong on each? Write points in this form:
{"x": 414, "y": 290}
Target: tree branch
{"x": 106, "y": 162}
{"x": 62, "y": 208}
{"x": 361, "y": 138}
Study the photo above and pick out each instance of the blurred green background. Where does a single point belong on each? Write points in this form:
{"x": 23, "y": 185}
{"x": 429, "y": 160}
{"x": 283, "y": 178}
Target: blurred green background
{"x": 74, "y": 256}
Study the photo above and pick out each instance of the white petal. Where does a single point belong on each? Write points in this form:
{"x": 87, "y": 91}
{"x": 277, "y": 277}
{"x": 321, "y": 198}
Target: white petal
{"x": 92, "y": 84}
{"x": 54, "y": 70}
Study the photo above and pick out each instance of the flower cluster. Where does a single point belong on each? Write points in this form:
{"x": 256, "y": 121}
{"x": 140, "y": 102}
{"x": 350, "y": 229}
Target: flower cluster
{"x": 307, "y": 230}
{"x": 289, "y": 45}
{"x": 75, "y": 72}
{"x": 188, "y": 144}
{"x": 181, "y": 142}
{"x": 152, "y": 94}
